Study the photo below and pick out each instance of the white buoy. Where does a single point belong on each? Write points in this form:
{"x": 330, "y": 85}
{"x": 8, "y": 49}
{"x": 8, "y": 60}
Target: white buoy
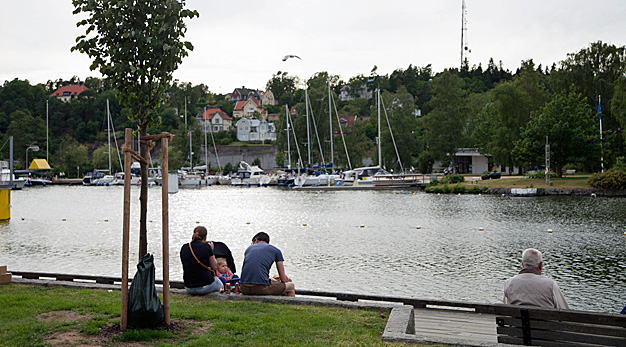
{"x": 197, "y": 222}
{"x": 304, "y": 224}
{"x": 106, "y": 220}
{"x": 502, "y": 194}
{"x": 22, "y": 218}
{"x": 624, "y": 233}
{"x": 549, "y": 231}
{"x": 413, "y": 193}
{"x": 64, "y": 219}
{"x": 481, "y": 229}
{"x": 479, "y": 194}
{"x": 247, "y": 222}
{"x": 418, "y": 227}
{"x": 459, "y": 193}
{"x": 362, "y": 226}
{"x": 438, "y": 193}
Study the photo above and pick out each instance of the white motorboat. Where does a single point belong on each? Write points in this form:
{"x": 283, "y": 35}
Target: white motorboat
{"x": 364, "y": 176}
{"x": 248, "y": 175}
{"x": 189, "y": 180}
{"x": 224, "y": 180}
{"x": 5, "y": 178}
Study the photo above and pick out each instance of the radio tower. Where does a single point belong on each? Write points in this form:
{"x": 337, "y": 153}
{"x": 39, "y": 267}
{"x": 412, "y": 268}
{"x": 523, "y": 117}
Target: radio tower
{"x": 464, "y": 46}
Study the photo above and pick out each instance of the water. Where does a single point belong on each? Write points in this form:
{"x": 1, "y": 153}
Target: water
{"x": 360, "y": 242}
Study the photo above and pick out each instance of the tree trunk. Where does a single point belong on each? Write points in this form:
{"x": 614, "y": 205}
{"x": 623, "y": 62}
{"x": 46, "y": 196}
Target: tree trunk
{"x": 143, "y": 198}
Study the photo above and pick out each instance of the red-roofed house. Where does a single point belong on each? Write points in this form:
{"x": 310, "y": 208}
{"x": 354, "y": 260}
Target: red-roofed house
{"x": 247, "y": 108}
{"x": 214, "y": 119}
{"x": 66, "y": 93}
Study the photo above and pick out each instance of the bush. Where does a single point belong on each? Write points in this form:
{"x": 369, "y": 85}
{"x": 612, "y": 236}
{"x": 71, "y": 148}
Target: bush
{"x": 458, "y": 189}
{"x": 613, "y": 179}
{"x": 539, "y": 174}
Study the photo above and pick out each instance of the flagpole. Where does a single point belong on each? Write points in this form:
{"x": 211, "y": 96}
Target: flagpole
{"x": 600, "y": 116}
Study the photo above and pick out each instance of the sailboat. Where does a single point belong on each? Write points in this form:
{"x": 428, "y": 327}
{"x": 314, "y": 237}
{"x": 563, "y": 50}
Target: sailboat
{"x": 101, "y": 177}
{"x": 319, "y": 175}
{"x": 371, "y": 175}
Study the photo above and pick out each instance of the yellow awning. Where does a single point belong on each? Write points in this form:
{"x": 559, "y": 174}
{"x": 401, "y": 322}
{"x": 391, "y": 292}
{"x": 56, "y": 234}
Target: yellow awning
{"x": 39, "y": 164}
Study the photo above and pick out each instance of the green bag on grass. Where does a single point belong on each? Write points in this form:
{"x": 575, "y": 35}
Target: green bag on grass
{"x": 144, "y": 306}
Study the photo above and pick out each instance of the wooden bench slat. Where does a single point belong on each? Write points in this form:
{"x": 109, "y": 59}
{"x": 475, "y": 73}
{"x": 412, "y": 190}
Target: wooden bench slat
{"x": 596, "y": 329}
{"x": 547, "y": 314}
{"x": 577, "y": 337}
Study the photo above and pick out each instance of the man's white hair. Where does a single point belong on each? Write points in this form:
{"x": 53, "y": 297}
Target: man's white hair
{"x": 531, "y": 258}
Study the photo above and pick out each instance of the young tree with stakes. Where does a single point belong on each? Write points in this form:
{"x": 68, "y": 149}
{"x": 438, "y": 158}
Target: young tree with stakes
{"x": 136, "y": 46}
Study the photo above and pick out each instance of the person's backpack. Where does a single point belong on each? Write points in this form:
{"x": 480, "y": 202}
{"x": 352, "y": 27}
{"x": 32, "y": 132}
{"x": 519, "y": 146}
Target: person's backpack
{"x": 144, "y": 306}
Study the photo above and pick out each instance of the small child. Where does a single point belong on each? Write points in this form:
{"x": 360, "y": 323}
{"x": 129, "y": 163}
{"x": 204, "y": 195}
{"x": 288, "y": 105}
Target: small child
{"x": 223, "y": 272}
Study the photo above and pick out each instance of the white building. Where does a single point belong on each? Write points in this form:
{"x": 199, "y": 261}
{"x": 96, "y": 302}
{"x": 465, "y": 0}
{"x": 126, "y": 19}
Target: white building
{"x": 255, "y": 130}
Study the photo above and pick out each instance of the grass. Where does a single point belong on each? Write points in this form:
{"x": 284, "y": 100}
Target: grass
{"x": 569, "y": 182}
{"x": 39, "y": 316}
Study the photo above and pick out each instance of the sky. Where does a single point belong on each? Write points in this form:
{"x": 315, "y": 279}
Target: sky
{"x": 242, "y": 43}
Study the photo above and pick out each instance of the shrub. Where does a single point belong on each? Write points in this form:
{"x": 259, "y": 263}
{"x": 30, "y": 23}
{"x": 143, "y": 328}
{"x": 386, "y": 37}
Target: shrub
{"x": 613, "y": 179}
{"x": 539, "y": 174}
{"x": 458, "y": 189}
{"x": 446, "y": 189}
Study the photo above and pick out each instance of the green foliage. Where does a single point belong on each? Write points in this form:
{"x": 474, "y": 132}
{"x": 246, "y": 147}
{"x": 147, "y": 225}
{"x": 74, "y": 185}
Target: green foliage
{"x": 100, "y": 159}
{"x": 256, "y": 162}
{"x": 571, "y": 129}
{"x": 613, "y": 179}
{"x": 445, "y": 132}
{"x": 136, "y": 46}
{"x": 538, "y": 174}
{"x": 425, "y": 162}
{"x": 282, "y": 86}
{"x": 458, "y": 189}
{"x": 228, "y": 168}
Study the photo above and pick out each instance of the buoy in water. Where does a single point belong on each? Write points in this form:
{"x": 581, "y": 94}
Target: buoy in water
{"x": 362, "y": 226}
{"x": 438, "y": 193}
{"x": 459, "y": 193}
{"x": 106, "y": 220}
{"x": 304, "y": 224}
{"x": 64, "y": 219}
{"x": 418, "y": 227}
{"x": 481, "y": 229}
{"x": 502, "y": 194}
{"x": 247, "y": 222}
{"x": 23, "y": 219}
{"x": 197, "y": 222}
{"x": 549, "y": 231}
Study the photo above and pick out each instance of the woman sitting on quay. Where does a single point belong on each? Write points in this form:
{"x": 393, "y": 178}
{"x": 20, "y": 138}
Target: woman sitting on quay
{"x": 199, "y": 265}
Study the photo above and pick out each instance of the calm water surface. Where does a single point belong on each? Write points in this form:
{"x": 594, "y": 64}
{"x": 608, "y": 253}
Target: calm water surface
{"x": 362, "y": 242}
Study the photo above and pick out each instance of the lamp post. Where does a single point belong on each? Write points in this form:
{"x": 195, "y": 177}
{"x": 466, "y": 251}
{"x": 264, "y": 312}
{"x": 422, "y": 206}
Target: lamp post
{"x": 34, "y": 148}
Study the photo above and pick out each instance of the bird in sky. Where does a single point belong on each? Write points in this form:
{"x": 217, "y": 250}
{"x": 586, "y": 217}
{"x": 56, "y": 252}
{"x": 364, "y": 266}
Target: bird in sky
{"x": 290, "y": 56}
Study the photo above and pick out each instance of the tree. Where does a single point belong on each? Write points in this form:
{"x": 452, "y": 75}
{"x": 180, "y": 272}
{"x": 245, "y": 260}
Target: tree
{"x": 508, "y": 112}
{"x": 71, "y": 155}
{"x": 26, "y": 130}
{"x": 100, "y": 159}
{"x": 282, "y": 86}
{"x": 446, "y": 123}
{"x": 570, "y": 126}
{"x": 400, "y": 110}
{"x": 618, "y": 104}
{"x": 136, "y": 46}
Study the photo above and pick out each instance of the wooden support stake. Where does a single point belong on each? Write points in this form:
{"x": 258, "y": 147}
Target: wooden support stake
{"x": 165, "y": 222}
{"x": 126, "y": 228}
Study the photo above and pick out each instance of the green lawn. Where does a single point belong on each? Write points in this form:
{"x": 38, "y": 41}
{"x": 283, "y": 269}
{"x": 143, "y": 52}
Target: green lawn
{"x": 49, "y": 316}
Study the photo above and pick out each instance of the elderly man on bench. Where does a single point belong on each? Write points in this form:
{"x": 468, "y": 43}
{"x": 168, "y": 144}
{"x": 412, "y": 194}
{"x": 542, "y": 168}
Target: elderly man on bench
{"x": 530, "y": 288}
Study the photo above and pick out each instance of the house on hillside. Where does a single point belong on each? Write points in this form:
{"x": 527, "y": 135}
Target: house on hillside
{"x": 243, "y": 94}
{"x": 214, "y": 119}
{"x": 255, "y": 130}
{"x": 246, "y": 108}
{"x": 267, "y": 98}
{"x": 347, "y": 94}
{"x": 66, "y": 93}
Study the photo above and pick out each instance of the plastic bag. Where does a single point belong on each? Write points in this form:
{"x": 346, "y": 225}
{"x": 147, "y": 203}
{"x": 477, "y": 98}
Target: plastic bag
{"x": 144, "y": 306}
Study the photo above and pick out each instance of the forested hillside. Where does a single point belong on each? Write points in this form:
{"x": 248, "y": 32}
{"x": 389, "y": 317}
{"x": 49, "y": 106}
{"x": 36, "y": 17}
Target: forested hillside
{"x": 506, "y": 114}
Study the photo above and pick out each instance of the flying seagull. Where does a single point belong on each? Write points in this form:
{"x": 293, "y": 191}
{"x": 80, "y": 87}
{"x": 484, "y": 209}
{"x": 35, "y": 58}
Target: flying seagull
{"x": 291, "y": 56}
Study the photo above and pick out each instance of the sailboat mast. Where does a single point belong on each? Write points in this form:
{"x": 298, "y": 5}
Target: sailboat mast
{"x": 308, "y": 131}
{"x": 330, "y": 125}
{"x": 380, "y": 154}
{"x": 206, "y": 148}
{"x": 109, "y": 132}
{"x": 288, "y": 143}
{"x": 188, "y": 132}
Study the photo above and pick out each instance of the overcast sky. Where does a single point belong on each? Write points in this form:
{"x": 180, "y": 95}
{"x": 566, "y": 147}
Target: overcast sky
{"x": 241, "y": 43}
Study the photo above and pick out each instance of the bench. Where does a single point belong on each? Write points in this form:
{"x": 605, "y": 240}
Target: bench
{"x": 569, "y": 172}
{"x": 534, "y": 326}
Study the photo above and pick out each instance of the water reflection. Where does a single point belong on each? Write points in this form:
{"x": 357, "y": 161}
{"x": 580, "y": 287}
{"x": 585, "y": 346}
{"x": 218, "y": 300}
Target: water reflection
{"x": 362, "y": 242}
